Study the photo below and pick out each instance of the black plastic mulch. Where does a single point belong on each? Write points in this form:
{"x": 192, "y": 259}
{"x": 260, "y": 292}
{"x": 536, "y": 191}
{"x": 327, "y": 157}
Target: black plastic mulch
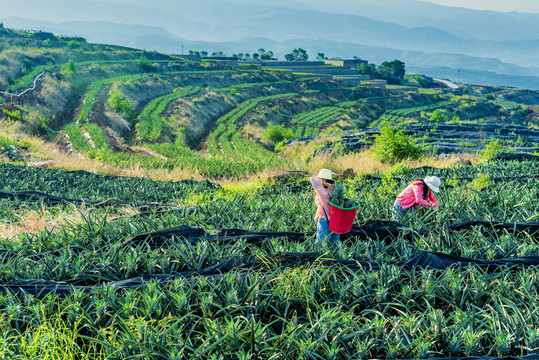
{"x": 55, "y": 200}
{"x": 425, "y": 260}
{"x": 378, "y": 230}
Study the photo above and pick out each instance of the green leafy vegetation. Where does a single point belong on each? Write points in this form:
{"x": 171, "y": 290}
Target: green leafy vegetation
{"x": 151, "y": 124}
{"x": 394, "y": 145}
{"x": 491, "y": 150}
{"x": 315, "y": 305}
{"x": 119, "y": 103}
{"x": 277, "y": 133}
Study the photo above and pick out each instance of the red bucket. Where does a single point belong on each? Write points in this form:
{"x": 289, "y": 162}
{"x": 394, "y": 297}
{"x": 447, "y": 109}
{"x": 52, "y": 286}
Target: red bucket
{"x": 341, "y": 219}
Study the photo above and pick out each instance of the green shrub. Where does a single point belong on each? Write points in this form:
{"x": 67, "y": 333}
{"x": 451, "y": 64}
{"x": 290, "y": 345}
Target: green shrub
{"x": 438, "y": 115}
{"x": 73, "y": 44}
{"x": 144, "y": 64}
{"x": 69, "y": 69}
{"x": 277, "y": 133}
{"x": 392, "y": 146}
{"x": 119, "y": 103}
{"x": 491, "y": 150}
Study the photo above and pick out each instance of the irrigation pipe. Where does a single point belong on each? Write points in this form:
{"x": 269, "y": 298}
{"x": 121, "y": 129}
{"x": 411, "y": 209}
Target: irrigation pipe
{"x": 121, "y": 118}
{"x": 30, "y": 88}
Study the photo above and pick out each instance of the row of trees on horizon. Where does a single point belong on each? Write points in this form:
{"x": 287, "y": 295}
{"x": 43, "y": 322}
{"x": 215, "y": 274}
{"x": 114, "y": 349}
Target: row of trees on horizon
{"x": 392, "y": 71}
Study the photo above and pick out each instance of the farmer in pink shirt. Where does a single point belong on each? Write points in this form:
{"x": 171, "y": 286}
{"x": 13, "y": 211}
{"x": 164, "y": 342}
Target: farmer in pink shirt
{"x": 419, "y": 192}
{"x": 323, "y": 184}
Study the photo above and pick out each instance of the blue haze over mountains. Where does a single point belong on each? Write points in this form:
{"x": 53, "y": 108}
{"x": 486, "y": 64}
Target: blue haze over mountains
{"x": 466, "y": 45}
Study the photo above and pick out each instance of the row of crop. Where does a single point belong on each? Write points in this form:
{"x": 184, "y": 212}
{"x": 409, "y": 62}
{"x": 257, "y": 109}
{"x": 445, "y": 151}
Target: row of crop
{"x": 217, "y": 167}
{"x": 254, "y": 151}
{"x": 368, "y": 99}
{"x": 227, "y": 144}
{"x": 295, "y": 313}
{"x": 347, "y": 104}
{"x": 306, "y": 131}
{"x": 292, "y": 211}
{"x": 318, "y": 116}
{"x": 389, "y": 118}
{"x": 94, "y": 187}
{"x": 508, "y": 105}
{"x": 329, "y": 115}
{"x": 214, "y": 149}
{"x": 94, "y": 88}
{"x": 240, "y": 110}
{"x": 311, "y": 131}
{"x": 150, "y": 121}
{"x": 228, "y": 148}
{"x": 514, "y": 201}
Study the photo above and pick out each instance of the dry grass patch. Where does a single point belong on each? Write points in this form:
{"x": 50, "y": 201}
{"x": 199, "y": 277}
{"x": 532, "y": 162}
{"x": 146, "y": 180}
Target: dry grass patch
{"x": 32, "y": 221}
{"x": 366, "y": 162}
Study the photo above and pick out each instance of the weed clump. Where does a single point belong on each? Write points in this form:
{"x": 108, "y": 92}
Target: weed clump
{"x": 393, "y": 145}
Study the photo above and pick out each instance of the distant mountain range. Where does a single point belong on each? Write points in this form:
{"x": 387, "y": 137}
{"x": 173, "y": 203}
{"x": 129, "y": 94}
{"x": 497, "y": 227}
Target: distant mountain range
{"x": 501, "y": 46}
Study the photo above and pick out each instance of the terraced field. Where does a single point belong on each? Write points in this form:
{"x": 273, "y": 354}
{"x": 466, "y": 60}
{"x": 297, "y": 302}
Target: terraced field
{"x": 138, "y": 109}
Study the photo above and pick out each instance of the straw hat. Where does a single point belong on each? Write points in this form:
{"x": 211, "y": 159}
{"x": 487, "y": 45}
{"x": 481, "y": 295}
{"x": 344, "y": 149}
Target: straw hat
{"x": 433, "y": 182}
{"x": 325, "y": 174}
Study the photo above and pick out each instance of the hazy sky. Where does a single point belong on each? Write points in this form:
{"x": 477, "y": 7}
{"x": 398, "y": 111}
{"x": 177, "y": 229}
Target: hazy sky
{"x": 531, "y": 6}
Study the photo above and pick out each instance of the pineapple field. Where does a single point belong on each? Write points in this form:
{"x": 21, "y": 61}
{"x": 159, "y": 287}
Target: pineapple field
{"x": 195, "y": 270}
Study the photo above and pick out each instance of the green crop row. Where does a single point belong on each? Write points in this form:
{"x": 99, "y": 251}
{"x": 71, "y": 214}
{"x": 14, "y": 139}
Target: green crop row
{"x": 285, "y": 314}
{"x": 226, "y": 144}
{"x": 233, "y": 116}
{"x": 368, "y": 99}
{"x": 347, "y": 104}
{"x": 213, "y": 140}
{"x": 509, "y": 105}
{"x": 94, "y": 187}
{"x": 96, "y": 86}
{"x": 311, "y": 131}
{"x": 388, "y": 117}
{"x": 151, "y": 123}
{"x": 229, "y": 150}
{"x": 253, "y": 151}
{"x": 318, "y": 116}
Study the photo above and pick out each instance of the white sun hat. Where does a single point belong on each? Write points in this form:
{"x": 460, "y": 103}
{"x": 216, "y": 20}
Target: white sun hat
{"x": 325, "y": 174}
{"x": 433, "y": 182}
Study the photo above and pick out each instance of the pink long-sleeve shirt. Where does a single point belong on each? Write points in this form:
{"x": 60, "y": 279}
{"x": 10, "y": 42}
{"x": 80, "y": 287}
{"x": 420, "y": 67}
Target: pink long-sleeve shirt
{"x": 322, "y": 198}
{"x": 412, "y": 196}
